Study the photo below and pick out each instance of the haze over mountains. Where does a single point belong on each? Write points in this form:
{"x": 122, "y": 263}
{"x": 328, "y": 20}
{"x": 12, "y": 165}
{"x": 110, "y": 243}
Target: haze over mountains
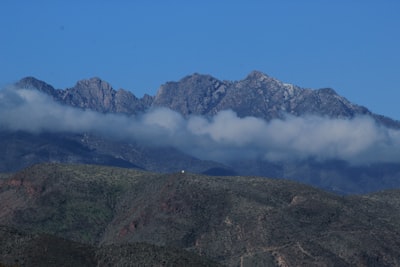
{"x": 60, "y": 208}
{"x": 255, "y": 126}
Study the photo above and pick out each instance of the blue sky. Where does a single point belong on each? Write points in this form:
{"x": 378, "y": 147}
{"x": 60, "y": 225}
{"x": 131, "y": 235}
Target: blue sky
{"x": 351, "y": 46}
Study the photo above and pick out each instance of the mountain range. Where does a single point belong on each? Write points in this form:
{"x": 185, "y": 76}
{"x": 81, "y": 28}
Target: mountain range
{"x": 254, "y": 172}
{"x": 257, "y": 97}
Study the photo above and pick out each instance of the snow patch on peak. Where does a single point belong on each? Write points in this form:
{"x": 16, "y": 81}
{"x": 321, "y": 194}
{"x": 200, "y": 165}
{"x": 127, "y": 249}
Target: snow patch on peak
{"x": 289, "y": 89}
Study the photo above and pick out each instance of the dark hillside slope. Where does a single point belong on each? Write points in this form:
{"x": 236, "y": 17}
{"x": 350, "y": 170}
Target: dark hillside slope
{"x": 21, "y": 149}
{"x": 245, "y": 221}
{"x": 73, "y": 201}
{"x": 19, "y": 248}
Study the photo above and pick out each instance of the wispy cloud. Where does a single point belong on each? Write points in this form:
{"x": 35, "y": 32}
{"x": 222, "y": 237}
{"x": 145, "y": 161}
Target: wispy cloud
{"x": 223, "y": 137}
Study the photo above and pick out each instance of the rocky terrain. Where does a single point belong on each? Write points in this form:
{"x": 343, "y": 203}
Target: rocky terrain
{"x": 57, "y": 211}
{"x": 21, "y": 248}
{"x": 93, "y": 94}
{"x": 232, "y": 220}
{"x": 258, "y": 95}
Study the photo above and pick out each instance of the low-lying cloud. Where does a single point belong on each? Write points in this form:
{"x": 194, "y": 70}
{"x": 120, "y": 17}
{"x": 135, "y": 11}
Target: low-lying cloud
{"x": 224, "y": 137}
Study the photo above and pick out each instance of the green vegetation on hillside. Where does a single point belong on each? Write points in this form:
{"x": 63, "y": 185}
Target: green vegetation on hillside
{"x": 232, "y": 220}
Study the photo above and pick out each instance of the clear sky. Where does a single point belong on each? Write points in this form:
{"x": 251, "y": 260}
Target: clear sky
{"x": 352, "y": 46}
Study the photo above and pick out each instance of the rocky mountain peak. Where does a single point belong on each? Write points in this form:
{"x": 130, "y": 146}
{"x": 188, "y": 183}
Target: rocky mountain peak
{"x": 259, "y": 80}
{"x": 262, "y": 78}
{"x": 257, "y": 95}
{"x": 92, "y": 93}
{"x": 34, "y": 83}
{"x": 194, "y": 94}
{"x": 28, "y": 82}
{"x": 257, "y": 75}
{"x": 328, "y": 91}
{"x": 196, "y": 77}
{"x": 94, "y": 84}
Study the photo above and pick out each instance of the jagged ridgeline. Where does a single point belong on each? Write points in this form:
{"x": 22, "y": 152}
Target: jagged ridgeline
{"x": 259, "y": 97}
{"x": 87, "y": 215}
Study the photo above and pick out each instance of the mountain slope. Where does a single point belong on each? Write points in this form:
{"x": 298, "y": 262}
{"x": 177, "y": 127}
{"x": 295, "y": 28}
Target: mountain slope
{"x": 258, "y": 96}
{"x": 232, "y": 220}
{"x": 19, "y": 248}
{"x": 94, "y": 94}
{"x": 22, "y": 149}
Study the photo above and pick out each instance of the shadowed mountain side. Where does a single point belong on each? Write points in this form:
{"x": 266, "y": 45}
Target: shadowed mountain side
{"x": 19, "y": 248}
{"x": 151, "y": 158}
{"x": 335, "y": 175}
{"x": 233, "y": 220}
{"x": 321, "y": 132}
{"x": 143, "y": 254}
{"x": 22, "y": 149}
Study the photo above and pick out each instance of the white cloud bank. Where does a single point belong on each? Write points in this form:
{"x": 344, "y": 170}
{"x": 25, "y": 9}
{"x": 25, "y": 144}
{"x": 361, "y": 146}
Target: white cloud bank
{"x": 224, "y": 137}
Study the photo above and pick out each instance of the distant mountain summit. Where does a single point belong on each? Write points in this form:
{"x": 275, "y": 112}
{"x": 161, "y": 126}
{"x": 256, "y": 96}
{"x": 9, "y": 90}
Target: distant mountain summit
{"x": 258, "y": 95}
{"x": 41, "y": 86}
{"x": 94, "y": 94}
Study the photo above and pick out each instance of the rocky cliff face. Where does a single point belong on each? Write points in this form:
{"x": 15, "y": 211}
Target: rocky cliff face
{"x": 257, "y": 95}
{"x": 195, "y": 94}
{"x": 33, "y": 83}
{"x": 94, "y": 94}
{"x": 98, "y": 95}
